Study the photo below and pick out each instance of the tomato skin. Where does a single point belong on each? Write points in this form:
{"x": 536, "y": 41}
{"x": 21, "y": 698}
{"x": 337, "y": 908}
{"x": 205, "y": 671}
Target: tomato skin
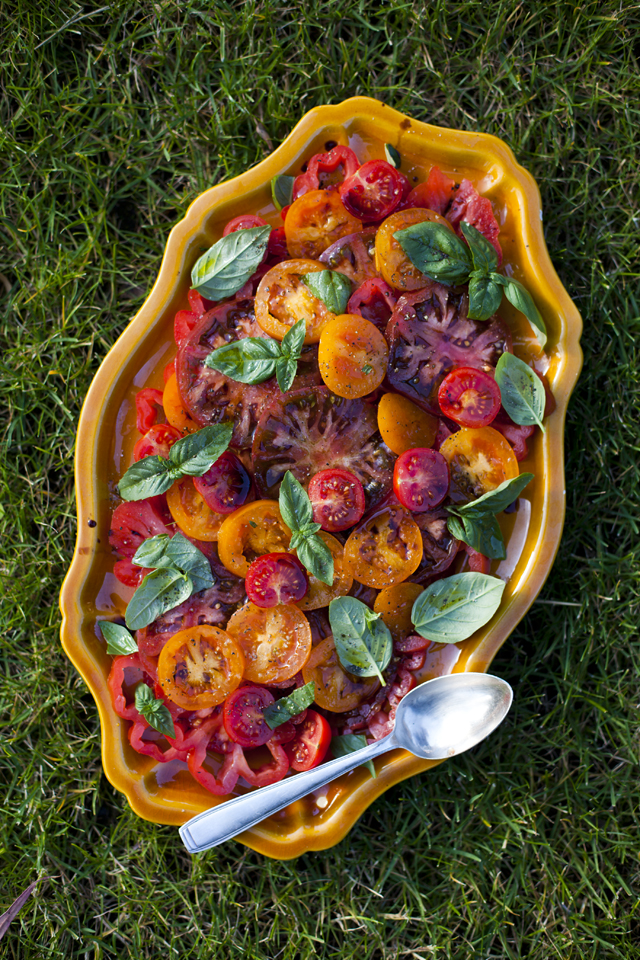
{"x": 323, "y": 170}
{"x": 226, "y": 485}
{"x": 374, "y": 190}
{"x": 243, "y": 716}
{"x": 479, "y": 461}
{"x": 276, "y": 578}
{"x": 316, "y": 220}
{"x": 403, "y": 425}
{"x": 156, "y": 442}
{"x": 352, "y": 356}
{"x": 337, "y": 498}
{"x": 311, "y": 743}
{"x": 470, "y": 397}
{"x": 147, "y": 403}
{"x": 374, "y": 300}
{"x": 421, "y": 479}
{"x": 353, "y": 256}
{"x": 200, "y": 666}
{"x": 385, "y": 549}
{"x": 435, "y": 194}
{"x": 276, "y": 642}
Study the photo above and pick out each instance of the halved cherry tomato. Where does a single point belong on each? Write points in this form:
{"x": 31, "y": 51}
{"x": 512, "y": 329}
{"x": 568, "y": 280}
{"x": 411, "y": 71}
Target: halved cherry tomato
{"x": 479, "y": 461}
{"x": 337, "y": 498}
{"x": 336, "y": 690}
{"x": 243, "y": 716}
{"x": 403, "y": 425}
{"x": 421, "y": 479}
{"x": 391, "y": 260}
{"x": 374, "y": 190}
{"x": 316, "y": 220}
{"x": 249, "y": 532}
{"x": 276, "y": 578}
{"x": 311, "y": 743}
{"x": 374, "y": 300}
{"x": 200, "y": 667}
{"x": 385, "y": 549}
{"x": 394, "y": 604}
{"x": 276, "y": 642}
{"x": 156, "y": 442}
{"x": 175, "y": 410}
{"x": 470, "y": 397}
{"x": 468, "y": 205}
{"x": 147, "y": 403}
{"x": 435, "y": 194}
{"x": 283, "y": 298}
{"x": 352, "y": 356}
{"x": 244, "y": 222}
{"x": 326, "y": 170}
{"x": 321, "y": 594}
{"x": 353, "y": 256}
{"x": 191, "y": 512}
{"x": 134, "y": 522}
{"x": 226, "y": 485}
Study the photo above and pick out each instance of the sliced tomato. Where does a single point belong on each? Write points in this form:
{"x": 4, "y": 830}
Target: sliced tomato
{"x": 479, "y": 461}
{"x": 337, "y": 498}
{"x": 429, "y": 334}
{"x": 277, "y": 246}
{"x": 312, "y": 429}
{"x": 175, "y": 410}
{"x": 353, "y": 256}
{"x": 352, "y": 356}
{"x": 133, "y": 523}
{"x": 439, "y": 547}
{"x": 244, "y": 222}
{"x": 226, "y": 485}
{"x": 403, "y": 425}
{"x": 148, "y": 402}
{"x": 184, "y": 323}
{"x": 276, "y": 578}
{"x": 326, "y": 170}
{"x": 192, "y": 513}
{"x": 384, "y": 549}
{"x": 421, "y": 479}
{"x": 311, "y": 743}
{"x": 250, "y": 532}
{"x": 470, "y": 397}
{"x": 125, "y": 675}
{"x": 394, "y": 604}
{"x": 128, "y": 573}
{"x": 478, "y": 563}
{"x": 321, "y": 594}
{"x": 468, "y": 205}
{"x": 156, "y": 442}
{"x": 374, "y": 190}
{"x": 392, "y": 262}
{"x": 374, "y": 300}
{"x": 516, "y": 435}
{"x": 283, "y": 299}
{"x": 435, "y": 194}
{"x": 276, "y": 642}
{"x": 336, "y": 690}
{"x": 316, "y": 220}
{"x": 200, "y": 666}
{"x": 243, "y": 716}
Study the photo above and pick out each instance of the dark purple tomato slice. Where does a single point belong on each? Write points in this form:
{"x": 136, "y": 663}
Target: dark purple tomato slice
{"x": 429, "y": 334}
{"x": 439, "y": 547}
{"x": 226, "y": 485}
{"x": 243, "y": 716}
{"x": 470, "y": 397}
{"x": 353, "y": 256}
{"x": 337, "y": 498}
{"x": 312, "y": 429}
{"x": 374, "y": 300}
{"x": 374, "y": 190}
{"x": 276, "y": 578}
{"x": 421, "y": 479}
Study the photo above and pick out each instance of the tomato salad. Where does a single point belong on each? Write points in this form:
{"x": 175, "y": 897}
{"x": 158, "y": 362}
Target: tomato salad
{"x": 317, "y": 486}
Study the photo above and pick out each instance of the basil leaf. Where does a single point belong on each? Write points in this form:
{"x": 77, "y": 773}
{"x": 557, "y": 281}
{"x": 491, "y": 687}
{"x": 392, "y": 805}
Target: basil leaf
{"x": 436, "y": 251}
{"x": 154, "y": 711}
{"x": 152, "y": 552}
{"x": 286, "y": 707}
{"x": 314, "y": 554}
{"x": 293, "y": 340}
{"x": 146, "y": 478}
{"x": 120, "y": 643}
{"x": 193, "y": 455}
{"x": 282, "y": 190}
{"x": 483, "y": 533}
{"x": 228, "y": 264}
{"x": 250, "y": 360}
{"x": 392, "y": 155}
{"x": 522, "y": 300}
{"x": 159, "y": 592}
{"x": 452, "y": 609}
{"x": 297, "y": 513}
{"x": 483, "y": 253}
{"x": 184, "y": 555}
{"x": 363, "y": 642}
{"x": 285, "y": 373}
{"x": 350, "y": 743}
{"x": 333, "y": 288}
{"x": 498, "y": 499}
{"x": 485, "y": 296}
{"x": 294, "y": 503}
{"x": 521, "y": 390}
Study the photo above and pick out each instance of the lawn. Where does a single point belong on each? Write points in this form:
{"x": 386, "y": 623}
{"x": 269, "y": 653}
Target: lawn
{"x": 113, "y": 118}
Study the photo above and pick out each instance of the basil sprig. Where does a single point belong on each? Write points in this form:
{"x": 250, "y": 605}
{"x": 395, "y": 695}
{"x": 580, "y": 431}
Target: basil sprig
{"x": 255, "y": 359}
{"x": 191, "y": 456}
{"x": 159, "y": 592}
{"x": 475, "y": 522}
{"x": 452, "y": 609}
{"x": 228, "y": 264}
{"x": 523, "y": 395}
{"x": 282, "y": 190}
{"x": 154, "y": 711}
{"x": 290, "y": 706}
{"x": 120, "y": 643}
{"x": 350, "y": 743}
{"x": 438, "y": 253}
{"x": 333, "y": 288}
{"x": 392, "y": 156}
{"x": 165, "y": 551}
{"x": 363, "y": 641}
{"x": 297, "y": 513}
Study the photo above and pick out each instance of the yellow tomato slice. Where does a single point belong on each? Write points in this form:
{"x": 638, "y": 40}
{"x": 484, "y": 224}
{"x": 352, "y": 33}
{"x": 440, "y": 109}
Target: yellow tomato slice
{"x": 391, "y": 260}
{"x": 479, "y": 461}
{"x": 394, "y": 604}
{"x": 403, "y": 425}
{"x": 275, "y": 641}
{"x": 174, "y": 409}
{"x": 336, "y": 690}
{"x": 191, "y": 512}
{"x": 316, "y": 220}
{"x": 283, "y": 298}
{"x": 249, "y": 532}
{"x": 385, "y": 549}
{"x": 200, "y": 667}
{"x": 352, "y": 356}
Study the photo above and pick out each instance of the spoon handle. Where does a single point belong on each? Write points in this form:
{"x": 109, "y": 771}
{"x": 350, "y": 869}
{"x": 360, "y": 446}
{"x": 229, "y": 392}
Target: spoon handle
{"x": 225, "y": 821}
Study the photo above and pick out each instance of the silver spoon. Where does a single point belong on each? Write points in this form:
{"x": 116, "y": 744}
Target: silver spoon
{"x": 438, "y": 719}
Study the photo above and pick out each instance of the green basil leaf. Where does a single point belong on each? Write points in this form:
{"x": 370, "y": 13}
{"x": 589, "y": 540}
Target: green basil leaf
{"x": 522, "y": 300}
{"x": 146, "y": 478}
{"x": 363, "y": 642}
{"x": 294, "y": 503}
{"x": 120, "y": 643}
{"x": 496, "y": 500}
{"x": 350, "y": 743}
{"x": 286, "y": 373}
{"x": 193, "y": 455}
{"x": 483, "y": 533}
{"x": 154, "y": 711}
{"x": 176, "y": 551}
{"x": 314, "y": 554}
{"x": 293, "y": 340}
{"x": 282, "y": 190}
{"x": 250, "y": 360}
{"x": 521, "y": 389}
{"x": 159, "y": 592}
{"x": 333, "y": 288}
{"x": 436, "y": 251}
{"x": 286, "y": 707}
{"x": 485, "y": 296}
{"x": 392, "y": 156}
{"x": 483, "y": 253}
{"x": 228, "y": 264}
{"x": 452, "y": 609}
{"x": 152, "y": 552}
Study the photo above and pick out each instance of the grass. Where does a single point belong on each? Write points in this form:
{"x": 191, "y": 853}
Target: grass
{"x": 112, "y": 119}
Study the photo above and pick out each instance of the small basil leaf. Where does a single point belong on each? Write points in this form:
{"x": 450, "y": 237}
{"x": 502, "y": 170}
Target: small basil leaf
{"x": 314, "y": 554}
{"x": 450, "y": 610}
{"x": 154, "y": 711}
{"x": 146, "y": 478}
{"x": 286, "y": 707}
{"x": 293, "y": 340}
{"x": 483, "y": 253}
{"x": 483, "y": 533}
{"x": 152, "y": 552}
{"x": 455, "y": 528}
{"x": 522, "y": 300}
{"x": 228, "y": 264}
{"x": 333, "y": 288}
{"x": 522, "y": 393}
{"x": 294, "y": 503}
{"x": 119, "y": 640}
{"x": 250, "y": 360}
{"x": 496, "y": 500}
{"x": 282, "y": 190}
{"x": 392, "y": 155}
{"x": 436, "y": 251}
{"x": 194, "y": 454}
{"x": 350, "y": 743}
{"x": 286, "y": 373}
{"x": 363, "y": 643}
{"x": 485, "y": 296}
{"x": 159, "y": 592}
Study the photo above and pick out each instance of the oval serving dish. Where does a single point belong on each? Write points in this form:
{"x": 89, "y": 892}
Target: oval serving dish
{"x": 166, "y": 793}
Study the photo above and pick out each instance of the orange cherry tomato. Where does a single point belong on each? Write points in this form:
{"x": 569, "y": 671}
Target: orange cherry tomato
{"x": 403, "y": 425}
{"x": 200, "y": 667}
{"x": 321, "y": 594}
{"x": 352, "y": 356}
{"x": 249, "y": 532}
{"x": 275, "y": 641}
{"x": 174, "y": 409}
{"x": 385, "y": 549}
{"x": 283, "y": 298}
{"x": 391, "y": 260}
{"x": 191, "y": 512}
{"x": 394, "y": 604}
{"x": 479, "y": 461}
{"x": 316, "y": 220}
{"x": 336, "y": 690}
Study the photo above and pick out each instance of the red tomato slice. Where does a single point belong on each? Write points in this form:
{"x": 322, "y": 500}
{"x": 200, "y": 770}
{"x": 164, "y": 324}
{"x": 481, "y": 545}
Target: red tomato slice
{"x": 128, "y": 573}
{"x": 470, "y": 397}
{"x": 133, "y": 523}
{"x": 226, "y": 485}
{"x": 326, "y": 170}
{"x": 516, "y": 435}
{"x": 184, "y": 322}
{"x": 276, "y": 578}
{"x": 374, "y": 191}
{"x": 311, "y": 743}
{"x": 374, "y": 300}
{"x": 244, "y": 222}
{"x": 156, "y": 442}
{"x": 337, "y": 498}
{"x": 353, "y": 256}
{"x": 421, "y": 479}
{"x": 243, "y": 716}
{"x": 468, "y": 205}
{"x": 435, "y": 194}
{"x": 148, "y": 402}
{"x": 124, "y": 676}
